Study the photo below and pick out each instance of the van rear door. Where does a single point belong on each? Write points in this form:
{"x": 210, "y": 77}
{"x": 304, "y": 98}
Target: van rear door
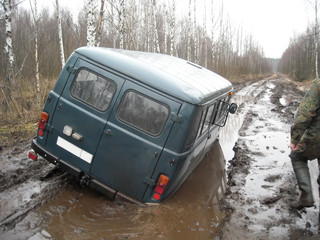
{"x": 82, "y": 112}
{"x": 133, "y": 139}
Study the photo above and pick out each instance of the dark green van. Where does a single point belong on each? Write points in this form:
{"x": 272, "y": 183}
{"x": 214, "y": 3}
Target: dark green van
{"x": 131, "y": 124}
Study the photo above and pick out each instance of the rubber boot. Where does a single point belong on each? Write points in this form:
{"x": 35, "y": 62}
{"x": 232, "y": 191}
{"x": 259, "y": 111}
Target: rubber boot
{"x": 306, "y": 198}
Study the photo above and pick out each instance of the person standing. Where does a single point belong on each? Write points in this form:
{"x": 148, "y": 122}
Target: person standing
{"x": 305, "y": 143}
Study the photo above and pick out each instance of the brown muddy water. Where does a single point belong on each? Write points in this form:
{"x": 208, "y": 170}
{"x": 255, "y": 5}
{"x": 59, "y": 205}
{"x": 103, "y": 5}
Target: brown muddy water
{"x": 191, "y": 213}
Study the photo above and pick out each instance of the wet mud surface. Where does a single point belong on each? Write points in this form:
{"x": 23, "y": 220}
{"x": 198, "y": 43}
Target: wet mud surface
{"x": 241, "y": 189}
{"x": 261, "y": 183}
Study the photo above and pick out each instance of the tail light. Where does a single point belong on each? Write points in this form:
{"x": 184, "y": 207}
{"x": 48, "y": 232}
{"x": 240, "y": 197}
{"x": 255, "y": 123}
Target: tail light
{"x": 42, "y": 123}
{"x": 160, "y": 187}
{"x": 33, "y": 155}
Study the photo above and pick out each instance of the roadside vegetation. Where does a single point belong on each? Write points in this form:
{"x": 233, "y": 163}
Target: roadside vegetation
{"x": 38, "y": 40}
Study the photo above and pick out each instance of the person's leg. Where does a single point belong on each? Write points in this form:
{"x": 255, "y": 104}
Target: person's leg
{"x": 301, "y": 169}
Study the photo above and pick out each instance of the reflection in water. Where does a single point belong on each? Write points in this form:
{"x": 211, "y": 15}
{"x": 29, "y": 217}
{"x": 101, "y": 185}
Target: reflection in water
{"x": 191, "y": 213}
{"x": 230, "y": 132}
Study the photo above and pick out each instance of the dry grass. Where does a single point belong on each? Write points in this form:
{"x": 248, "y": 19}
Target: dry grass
{"x": 19, "y": 123}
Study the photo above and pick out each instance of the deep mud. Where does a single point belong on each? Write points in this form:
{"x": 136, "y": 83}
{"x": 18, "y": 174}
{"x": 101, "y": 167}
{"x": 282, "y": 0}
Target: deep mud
{"x": 261, "y": 183}
{"x": 242, "y": 193}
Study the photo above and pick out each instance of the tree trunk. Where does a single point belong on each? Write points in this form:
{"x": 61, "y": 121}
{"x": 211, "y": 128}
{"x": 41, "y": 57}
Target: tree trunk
{"x": 8, "y": 51}
{"x": 36, "y": 47}
{"x": 165, "y": 29}
{"x": 172, "y": 27}
{"x": 60, "y": 34}
{"x": 99, "y": 26}
{"x": 189, "y": 34}
{"x": 156, "y": 46}
{"x": 91, "y": 30}
{"x": 205, "y": 54}
{"x": 195, "y": 42}
{"x": 316, "y": 38}
{"x": 122, "y": 24}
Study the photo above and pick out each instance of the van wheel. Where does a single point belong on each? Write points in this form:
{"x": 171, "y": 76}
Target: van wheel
{"x": 85, "y": 180}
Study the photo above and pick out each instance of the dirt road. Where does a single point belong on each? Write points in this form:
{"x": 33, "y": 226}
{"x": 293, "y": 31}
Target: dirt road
{"x": 261, "y": 183}
{"x": 38, "y": 201}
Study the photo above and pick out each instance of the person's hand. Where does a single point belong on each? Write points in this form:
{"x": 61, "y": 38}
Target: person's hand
{"x": 294, "y": 147}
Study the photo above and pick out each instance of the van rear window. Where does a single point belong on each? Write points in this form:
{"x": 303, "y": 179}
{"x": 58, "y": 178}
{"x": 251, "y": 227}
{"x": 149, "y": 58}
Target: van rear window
{"x": 93, "y": 89}
{"x": 143, "y": 113}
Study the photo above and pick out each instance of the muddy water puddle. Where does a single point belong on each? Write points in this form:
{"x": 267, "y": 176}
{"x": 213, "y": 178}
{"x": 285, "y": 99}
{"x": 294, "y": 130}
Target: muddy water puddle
{"x": 191, "y": 213}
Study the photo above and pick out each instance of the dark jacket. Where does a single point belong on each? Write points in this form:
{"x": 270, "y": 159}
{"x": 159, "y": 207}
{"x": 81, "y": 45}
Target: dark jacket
{"x": 306, "y": 127}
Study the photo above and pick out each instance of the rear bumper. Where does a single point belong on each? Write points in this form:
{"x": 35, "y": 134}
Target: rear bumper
{"x": 93, "y": 183}
{"x": 55, "y": 160}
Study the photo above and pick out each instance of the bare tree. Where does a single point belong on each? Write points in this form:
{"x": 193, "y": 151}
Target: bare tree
{"x": 122, "y": 23}
{"x": 156, "y": 45}
{"x": 34, "y": 9}
{"x": 189, "y": 35}
{"x": 194, "y": 32}
{"x": 60, "y": 34}
{"x": 316, "y": 37}
{"x": 172, "y": 28}
{"x": 91, "y": 29}
{"x": 204, "y": 36}
{"x": 166, "y": 18}
{"x": 99, "y": 26}
{"x": 8, "y": 51}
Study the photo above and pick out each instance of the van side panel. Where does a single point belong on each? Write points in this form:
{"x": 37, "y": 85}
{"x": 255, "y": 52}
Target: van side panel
{"x": 182, "y": 152}
{"x": 127, "y": 156}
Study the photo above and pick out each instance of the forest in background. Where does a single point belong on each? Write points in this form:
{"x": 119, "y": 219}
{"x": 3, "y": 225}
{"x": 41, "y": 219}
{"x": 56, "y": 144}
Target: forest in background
{"x": 298, "y": 60}
{"x": 42, "y": 39}
{"x": 142, "y": 25}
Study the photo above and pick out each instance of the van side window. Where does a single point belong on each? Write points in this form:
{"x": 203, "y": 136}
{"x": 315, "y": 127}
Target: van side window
{"x": 201, "y": 123}
{"x": 93, "y": 89}
{"x": 143, "y": 113}
{"x": 205, "y": 120}
{"x": 221, "y": 111}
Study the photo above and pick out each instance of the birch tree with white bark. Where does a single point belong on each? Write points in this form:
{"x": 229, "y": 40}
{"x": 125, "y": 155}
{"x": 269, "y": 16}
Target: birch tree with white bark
{"x": 156, "y": 44}
{"x": 172, "y": 28}
{"x": 165, "y": 30}
{"x": 60, "y": 33}
{"x": 122, "y": 23}
{"x": 189, "y": 35}
{"x": 91, "y": 27}
{"x": 8, "y": 52}
{"x": 94, "y": 28}
{"x": 204, "y": 36}
{"x": 194, "y": 32}
{"x": 34, "y": 10}
{"x": 316, "y": 37}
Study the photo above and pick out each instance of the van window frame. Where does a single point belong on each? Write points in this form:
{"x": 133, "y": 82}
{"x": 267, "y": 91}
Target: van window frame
{"x": 100, "y": 76}
{"x": 150, "y": 99}
{"x": 205, "y": 118}
{"x": 222, "y": 112}
{"x": 217, "y": 115}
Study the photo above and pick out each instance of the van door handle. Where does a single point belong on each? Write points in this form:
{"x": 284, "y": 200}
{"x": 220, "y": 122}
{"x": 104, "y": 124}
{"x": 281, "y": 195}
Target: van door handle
{"x": 108, "y": 132}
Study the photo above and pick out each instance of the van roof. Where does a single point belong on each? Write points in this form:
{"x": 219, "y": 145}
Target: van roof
{"x": 174, "y": 76}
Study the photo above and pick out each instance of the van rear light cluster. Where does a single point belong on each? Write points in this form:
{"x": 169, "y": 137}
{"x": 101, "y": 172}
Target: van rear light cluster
{"x": 32, "y": 155}
{"x": 160, "y": 187}
{"x": 42, "y": 123}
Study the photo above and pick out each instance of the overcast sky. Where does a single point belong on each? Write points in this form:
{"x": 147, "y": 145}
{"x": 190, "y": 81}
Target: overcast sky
{"x": 271, "y": 22}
